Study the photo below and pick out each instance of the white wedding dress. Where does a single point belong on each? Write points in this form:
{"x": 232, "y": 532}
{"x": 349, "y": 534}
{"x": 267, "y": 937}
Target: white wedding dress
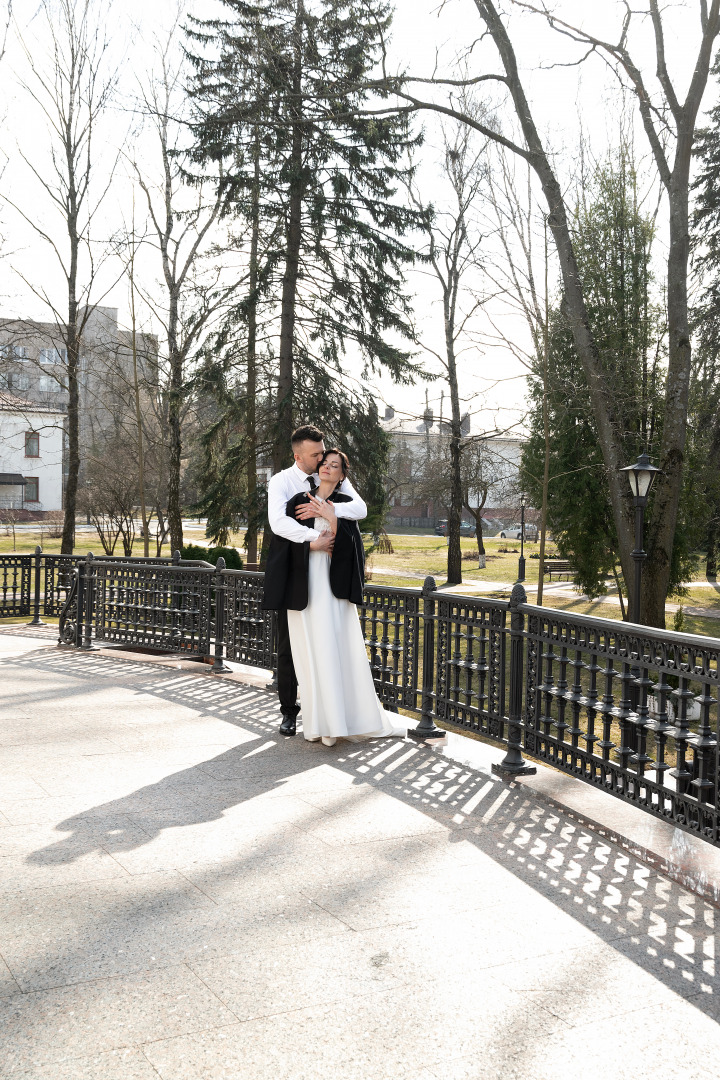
{"x": 337, "y": 695}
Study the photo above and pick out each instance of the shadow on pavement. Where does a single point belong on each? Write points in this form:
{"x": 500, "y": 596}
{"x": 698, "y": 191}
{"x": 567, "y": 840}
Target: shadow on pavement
{"x": 645, "y": 916}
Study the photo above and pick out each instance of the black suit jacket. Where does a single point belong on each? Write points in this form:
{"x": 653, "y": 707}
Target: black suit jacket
{"x": 286, "y": 571}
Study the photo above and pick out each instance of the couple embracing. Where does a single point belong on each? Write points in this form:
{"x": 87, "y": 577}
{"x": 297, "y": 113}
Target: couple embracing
{"x": 314, "y": 579}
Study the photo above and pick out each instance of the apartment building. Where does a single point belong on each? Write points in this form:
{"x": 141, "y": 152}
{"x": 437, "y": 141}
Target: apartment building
{"x": 418, "y": 489}
{"x": 31, "y": 456}
{"x": 33, "y": 369}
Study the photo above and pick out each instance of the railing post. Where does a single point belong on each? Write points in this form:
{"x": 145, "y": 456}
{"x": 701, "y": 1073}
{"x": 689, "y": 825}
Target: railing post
{"x": 36, "y": 620}
{"x": 80, "y": 604}
{"x": 513, "y": 764}
{"x": 426, "y": 729}
{"x": 88, "y": 603}
{"x": 219, "y": 665}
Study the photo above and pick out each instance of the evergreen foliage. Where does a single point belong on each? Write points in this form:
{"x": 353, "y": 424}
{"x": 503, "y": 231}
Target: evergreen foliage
{"x": 703, "y": 459}
{"x": 613, "y": 238}
{"x": 281, "y": 98}
{"x": 231, "y": 555}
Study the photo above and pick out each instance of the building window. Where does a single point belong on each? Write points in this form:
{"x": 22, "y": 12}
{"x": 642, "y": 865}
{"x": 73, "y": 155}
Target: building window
{"x": 14, "y": 352}
{"x": 48, "y": 384}
{"x": 13, "y": 380}
{"x": 32, "y": 444}
{"x": 31, "y": 489}
{"x": 53, "y": 356}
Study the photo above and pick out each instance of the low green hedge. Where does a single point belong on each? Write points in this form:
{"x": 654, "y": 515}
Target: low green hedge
{"x": 231, "y": 555}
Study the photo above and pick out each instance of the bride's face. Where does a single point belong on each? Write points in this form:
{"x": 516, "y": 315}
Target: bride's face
{"x": 331, "y": 469}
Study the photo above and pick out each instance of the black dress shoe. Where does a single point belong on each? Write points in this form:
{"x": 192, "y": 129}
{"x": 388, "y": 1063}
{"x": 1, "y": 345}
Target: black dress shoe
{"x": 288, "y": 725}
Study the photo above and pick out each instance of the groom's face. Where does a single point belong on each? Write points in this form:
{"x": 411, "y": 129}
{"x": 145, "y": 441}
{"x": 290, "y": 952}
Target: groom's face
{"x": 308, "y": 455}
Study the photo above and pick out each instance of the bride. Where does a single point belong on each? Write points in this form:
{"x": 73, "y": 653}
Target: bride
{"x": 337, "y": 695}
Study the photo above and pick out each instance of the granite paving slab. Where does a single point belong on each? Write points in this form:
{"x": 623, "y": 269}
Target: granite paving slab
{"x": 231, "y": 904}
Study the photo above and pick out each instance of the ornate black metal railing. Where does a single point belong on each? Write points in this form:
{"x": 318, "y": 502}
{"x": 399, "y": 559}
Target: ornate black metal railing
{"x": 629, "y": 709}
{"x": 39, "y": 584}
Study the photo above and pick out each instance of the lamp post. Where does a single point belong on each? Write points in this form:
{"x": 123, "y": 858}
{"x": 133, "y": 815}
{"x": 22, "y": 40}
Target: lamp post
{"x": 640, "y": 476}
{"x": 521, "y": 560}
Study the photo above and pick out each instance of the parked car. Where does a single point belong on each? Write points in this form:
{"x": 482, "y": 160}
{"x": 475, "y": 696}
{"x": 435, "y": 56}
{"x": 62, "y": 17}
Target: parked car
{"x": 467, "y": 528}
{"x": 515, "y": 532}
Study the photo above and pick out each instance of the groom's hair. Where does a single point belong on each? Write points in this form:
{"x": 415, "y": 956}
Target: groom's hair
{"x": 307, "y": 432}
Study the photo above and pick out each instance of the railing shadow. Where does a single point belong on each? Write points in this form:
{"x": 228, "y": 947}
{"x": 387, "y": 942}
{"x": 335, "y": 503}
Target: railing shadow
{"x": 664, "y": 929}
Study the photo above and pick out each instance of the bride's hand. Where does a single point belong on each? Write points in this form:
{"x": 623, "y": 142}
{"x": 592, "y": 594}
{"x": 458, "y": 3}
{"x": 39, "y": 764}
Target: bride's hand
{"x": 321, "y": 509}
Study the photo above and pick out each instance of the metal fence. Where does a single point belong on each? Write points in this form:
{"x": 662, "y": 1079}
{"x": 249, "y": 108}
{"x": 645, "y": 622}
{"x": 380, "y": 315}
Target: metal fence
{"x": 39, "y": 584}
{"x": 629, "y": 709}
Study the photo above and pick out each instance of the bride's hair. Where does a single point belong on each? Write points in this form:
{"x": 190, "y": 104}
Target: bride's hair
{"x": 344, "y": 463}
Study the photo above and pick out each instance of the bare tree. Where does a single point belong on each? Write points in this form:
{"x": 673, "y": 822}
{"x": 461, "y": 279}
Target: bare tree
{"x": 669, "y": 124}
{"x": 193, "y": 293}
{"x": 454, "y": 243}
{"x": 513, "y": 276}
{"x": 72, "y": 91}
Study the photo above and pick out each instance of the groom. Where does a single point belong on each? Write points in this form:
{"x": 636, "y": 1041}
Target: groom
{"x": 308, "y": 448}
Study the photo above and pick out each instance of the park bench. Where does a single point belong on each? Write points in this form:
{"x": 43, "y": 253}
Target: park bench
{"x": 559, "y": 567}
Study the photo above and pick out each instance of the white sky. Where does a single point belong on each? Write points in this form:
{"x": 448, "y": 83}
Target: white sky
{"x": 565, "y": 99}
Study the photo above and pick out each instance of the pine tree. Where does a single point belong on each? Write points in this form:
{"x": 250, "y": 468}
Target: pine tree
{"x": 282, "y": 107}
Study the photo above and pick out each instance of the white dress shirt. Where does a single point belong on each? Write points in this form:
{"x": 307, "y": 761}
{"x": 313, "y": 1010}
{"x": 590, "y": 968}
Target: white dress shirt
{"x": 284, "y": 485}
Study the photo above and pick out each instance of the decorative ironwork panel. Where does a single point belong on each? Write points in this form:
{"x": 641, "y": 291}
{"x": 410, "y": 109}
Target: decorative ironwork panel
{"x": 630, "y": 709}
{"x": 15, "y": 585}
{"x": 390, "y": 621}
{"x": 160, "y": 607}
{"x": 57, "y": 579}
{"x": 471, "y": 678}
{"x": 58, "y": 575}
{"x": 249, "y": 632}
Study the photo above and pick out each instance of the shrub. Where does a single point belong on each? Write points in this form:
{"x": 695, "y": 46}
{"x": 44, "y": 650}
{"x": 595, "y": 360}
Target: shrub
{"x": 194, "y": 551}
{"x": 231, "y": 555}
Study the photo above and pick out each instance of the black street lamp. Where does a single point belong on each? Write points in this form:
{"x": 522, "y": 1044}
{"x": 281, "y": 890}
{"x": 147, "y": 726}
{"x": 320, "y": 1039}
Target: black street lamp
{"x": 521, "y": 560}
{"x": 641, "y": 476}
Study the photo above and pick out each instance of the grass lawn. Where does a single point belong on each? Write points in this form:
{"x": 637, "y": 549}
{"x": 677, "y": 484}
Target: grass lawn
{"x": 417, "y": 555}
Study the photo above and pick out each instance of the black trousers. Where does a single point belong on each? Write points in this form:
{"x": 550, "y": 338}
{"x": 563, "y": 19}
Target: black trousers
{"x": 287, "y": 680}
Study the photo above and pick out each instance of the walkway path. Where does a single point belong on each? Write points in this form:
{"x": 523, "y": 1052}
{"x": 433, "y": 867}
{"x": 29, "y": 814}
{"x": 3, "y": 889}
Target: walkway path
{"x": 556, "y": 588}
{"x": 185, "y": 896}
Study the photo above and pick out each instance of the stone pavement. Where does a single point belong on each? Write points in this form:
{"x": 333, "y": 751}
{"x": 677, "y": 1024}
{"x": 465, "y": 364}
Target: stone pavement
{"x": 186, "y": 896}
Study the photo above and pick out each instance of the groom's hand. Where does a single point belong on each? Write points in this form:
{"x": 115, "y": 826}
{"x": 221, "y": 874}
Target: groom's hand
{"x": 324, "y": 542}
{"x": 304, "y": 511}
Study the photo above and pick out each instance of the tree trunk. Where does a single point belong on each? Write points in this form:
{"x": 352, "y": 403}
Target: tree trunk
{"x": 73, "y": 426}
{"x": 293, "y": 239}
{"x": 175, "y": 397}
{"x": 546, "y": 437}
{"x": 450, "y": 295}
{"x": 138, "y": 411}
{"x": 661, "y": 531}
{"x": 476, "y": 513}
{"x": 251, "y": 416}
